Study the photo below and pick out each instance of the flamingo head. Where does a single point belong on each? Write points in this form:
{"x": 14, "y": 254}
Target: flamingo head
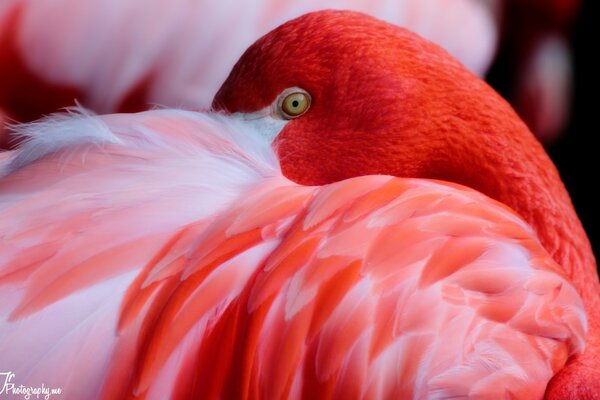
{"x": 342, "y": 94}
{"x": 372, "y": 98}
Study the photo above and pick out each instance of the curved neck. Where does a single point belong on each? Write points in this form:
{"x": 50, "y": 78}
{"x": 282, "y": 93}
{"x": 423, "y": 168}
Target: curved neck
{"x": 528, "y": 182}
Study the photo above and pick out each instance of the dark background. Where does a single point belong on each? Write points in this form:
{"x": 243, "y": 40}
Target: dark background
{"x": 575, "y": 153}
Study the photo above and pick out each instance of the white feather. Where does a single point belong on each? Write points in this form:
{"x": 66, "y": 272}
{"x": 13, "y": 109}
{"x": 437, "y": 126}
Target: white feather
{"x": 57, "y": 132}
{"x": 230, "y": 137}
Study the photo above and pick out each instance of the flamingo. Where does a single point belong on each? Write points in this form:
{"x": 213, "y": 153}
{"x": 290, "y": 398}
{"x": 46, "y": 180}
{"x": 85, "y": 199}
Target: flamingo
{"x": 363, "y": 218}
{"x": 114, "y": 56}
{"x": 537, "y": 38}
{"x": 44, "y": 68}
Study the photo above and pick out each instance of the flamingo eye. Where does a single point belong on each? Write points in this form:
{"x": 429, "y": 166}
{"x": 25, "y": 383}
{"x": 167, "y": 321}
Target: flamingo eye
{"x": 293, "y": 103}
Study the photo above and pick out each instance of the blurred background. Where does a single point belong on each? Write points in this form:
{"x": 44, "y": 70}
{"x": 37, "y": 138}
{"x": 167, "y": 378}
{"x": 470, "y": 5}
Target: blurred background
{"x": 572, "y": 146}
{"x": 575, "y": 152}
{"x": 114, "y": 55}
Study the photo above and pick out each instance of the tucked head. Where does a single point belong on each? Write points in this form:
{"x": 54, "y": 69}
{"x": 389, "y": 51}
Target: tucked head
{"x": 382, "y": 100}
{"x": 356, "y": 96}
{"x": 364, "y": 97}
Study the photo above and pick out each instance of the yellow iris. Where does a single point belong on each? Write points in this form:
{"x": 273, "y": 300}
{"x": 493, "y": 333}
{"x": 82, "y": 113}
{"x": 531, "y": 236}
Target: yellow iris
{"x": 295, "y": 104}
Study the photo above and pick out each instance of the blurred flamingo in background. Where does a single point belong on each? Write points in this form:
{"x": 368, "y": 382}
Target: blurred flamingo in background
{"x": 172, "y": 250}
{"x": 127, "y": 56}
{"x": 113, "y": 56}
{"x": 535, "y": 44}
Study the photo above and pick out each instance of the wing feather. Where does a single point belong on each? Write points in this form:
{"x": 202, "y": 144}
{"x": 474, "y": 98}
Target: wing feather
{"x": 183, "y": 265}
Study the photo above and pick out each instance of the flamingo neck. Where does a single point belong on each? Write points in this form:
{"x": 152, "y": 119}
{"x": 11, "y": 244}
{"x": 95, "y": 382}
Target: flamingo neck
{"x": 528, "y": 182}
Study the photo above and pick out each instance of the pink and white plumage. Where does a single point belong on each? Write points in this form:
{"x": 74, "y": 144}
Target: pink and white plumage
{"x": 170, "y": 249}
{"x": 113, "y": 55}
{"x": 127, "y": 56}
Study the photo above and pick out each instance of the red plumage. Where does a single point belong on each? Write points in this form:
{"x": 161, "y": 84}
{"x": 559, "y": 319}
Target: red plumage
{"x": 385, "y": 102}
{"x": 170, "y": 247}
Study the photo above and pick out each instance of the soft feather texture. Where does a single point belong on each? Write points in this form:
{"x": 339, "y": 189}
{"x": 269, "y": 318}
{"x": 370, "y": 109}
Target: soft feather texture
{"x": 394, "y": 103}
{"x": 168, "y": 248}
{"x": 80, "y": 127}
{"x": 55, "y": 133}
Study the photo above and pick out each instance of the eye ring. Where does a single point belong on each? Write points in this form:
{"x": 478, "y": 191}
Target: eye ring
{"x": 293, "y": 102}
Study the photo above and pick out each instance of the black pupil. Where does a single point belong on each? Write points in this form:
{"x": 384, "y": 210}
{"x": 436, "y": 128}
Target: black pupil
{"x": 295, "y": 103}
